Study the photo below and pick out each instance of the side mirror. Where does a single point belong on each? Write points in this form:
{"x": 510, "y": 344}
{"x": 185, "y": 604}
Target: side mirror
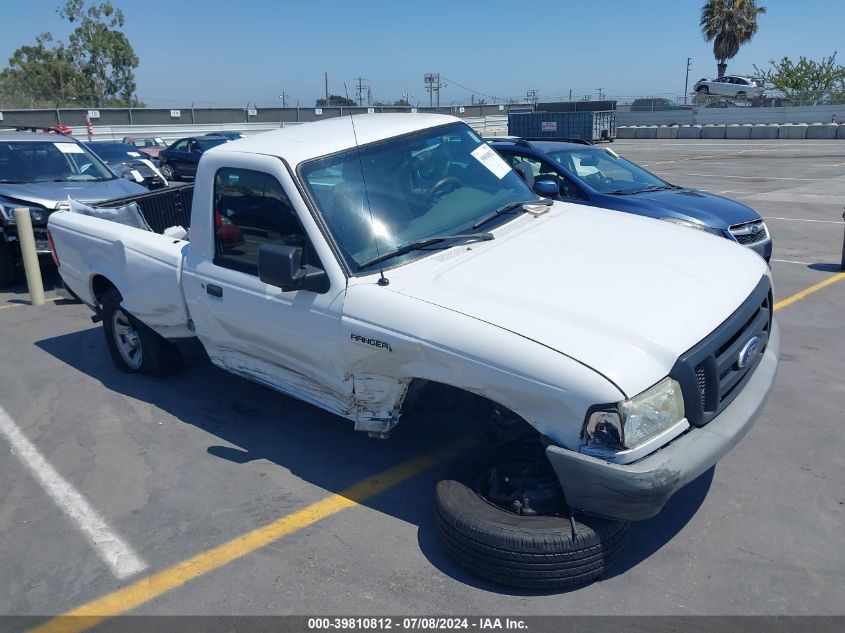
{"x": 281, "y": 265}
{"x": 546, "y": 188}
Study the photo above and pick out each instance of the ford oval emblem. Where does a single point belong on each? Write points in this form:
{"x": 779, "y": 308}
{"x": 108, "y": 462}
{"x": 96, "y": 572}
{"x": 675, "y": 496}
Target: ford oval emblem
{"x": 748, "y": 352}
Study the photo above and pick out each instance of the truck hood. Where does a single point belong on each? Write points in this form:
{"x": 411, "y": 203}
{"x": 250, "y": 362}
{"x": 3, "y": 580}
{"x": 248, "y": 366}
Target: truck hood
{"x": 50, "y": 194}
{"x": 622, "y": 294}
{"x": 705, "y": 207}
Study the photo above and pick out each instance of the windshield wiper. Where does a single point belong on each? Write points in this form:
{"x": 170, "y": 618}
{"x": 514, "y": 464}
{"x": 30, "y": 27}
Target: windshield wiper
{"x": 512, "y": 206}
{"x": 427, "y": 241}
{"x": 630, "y": 192}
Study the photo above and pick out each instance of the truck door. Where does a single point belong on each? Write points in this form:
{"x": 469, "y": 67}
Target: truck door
{"x": 286, "y": 340}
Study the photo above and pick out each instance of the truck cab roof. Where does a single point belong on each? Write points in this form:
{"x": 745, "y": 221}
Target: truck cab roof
{"x": 299, "y": 143}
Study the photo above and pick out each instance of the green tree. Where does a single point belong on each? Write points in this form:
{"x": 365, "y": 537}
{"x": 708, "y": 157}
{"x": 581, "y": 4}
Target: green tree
{"x": 335, "y": 100}
{"x": 100, "y": 51}
{"x": 729, "y": 24}
{"x": 806, "y": 79}
{"x": 41, "y": 75}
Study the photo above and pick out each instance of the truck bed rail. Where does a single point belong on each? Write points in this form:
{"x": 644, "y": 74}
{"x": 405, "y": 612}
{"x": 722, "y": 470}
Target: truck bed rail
{"x": 162, "y": 208}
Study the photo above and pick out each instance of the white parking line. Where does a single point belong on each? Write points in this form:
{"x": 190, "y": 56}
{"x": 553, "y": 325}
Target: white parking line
{"x": 791, "y": 261}
{"x": 769, "y": 217}
{"x": 119, "y": 557}
{"x": 750, "y": 177}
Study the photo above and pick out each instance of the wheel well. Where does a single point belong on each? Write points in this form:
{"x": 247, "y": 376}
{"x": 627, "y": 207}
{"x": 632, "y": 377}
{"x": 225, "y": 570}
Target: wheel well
{"x": 100, "y": 285}
{"x": 497, "y": 424}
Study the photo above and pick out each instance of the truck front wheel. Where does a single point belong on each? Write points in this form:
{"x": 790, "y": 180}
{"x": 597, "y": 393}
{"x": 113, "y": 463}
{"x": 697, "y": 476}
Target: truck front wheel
{"x": 134, "y": 347}
{"x": 508, "y": 523}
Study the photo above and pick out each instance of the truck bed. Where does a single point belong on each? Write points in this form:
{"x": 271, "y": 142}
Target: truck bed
{"x": 144, "y": 266}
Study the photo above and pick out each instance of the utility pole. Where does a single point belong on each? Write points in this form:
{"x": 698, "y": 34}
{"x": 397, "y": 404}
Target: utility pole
{"x": 360, "y": 91}
{"x": 686, "y": 82}
{"x": 327, "y": 89}
{"x": 433, "y": 86}
{"x": 284, "y": 98}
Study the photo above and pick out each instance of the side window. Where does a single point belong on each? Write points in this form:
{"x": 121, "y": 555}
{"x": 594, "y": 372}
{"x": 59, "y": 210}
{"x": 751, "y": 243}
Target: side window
{"x": 181, "y": 145}
{"x": 252, "y": 209}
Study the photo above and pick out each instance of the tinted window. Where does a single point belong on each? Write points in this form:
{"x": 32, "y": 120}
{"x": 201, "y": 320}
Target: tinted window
{"x": 180, "y": 146}
{"x": 251, "y": 209}
{"x": 207, "y": 143}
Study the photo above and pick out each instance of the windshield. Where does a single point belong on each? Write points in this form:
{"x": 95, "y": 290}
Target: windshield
{"x": 436, "y": 182}
{"x": 114, "y": 151}
{"x": 605, "y": 171}
{"x": 47, "y": 161}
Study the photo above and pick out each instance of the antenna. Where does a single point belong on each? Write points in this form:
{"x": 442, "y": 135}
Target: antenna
{"x": 383, "y": 281}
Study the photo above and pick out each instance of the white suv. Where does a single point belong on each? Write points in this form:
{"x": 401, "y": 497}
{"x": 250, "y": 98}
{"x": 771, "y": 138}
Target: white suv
{"x": 729, "y": 85}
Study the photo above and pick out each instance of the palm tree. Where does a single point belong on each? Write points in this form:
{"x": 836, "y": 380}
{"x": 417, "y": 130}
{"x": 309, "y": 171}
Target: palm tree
{"x": 729, "y": 24}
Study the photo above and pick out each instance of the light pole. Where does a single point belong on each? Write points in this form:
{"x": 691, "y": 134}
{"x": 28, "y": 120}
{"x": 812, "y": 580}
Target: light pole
{"x": 686, "y": 82}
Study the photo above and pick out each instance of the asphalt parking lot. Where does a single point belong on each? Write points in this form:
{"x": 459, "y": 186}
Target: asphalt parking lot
{"x": 228, "y": 498}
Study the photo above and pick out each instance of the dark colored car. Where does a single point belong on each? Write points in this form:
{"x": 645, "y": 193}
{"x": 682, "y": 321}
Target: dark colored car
{"x": 656, "y": 105}
{"x": 585, "y": 174}
{"x": 127, "y": 162}
{"x": 232, "y": 136}
{"x": 180, "y": 160}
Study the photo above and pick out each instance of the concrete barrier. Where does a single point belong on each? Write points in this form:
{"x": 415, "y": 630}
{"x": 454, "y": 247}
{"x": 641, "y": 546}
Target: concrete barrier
{"x": 840, "y": 133}
{"x": 792, "y": 131}
{"x": 765, "y": 131}
{"x": 713, "y": 131}
{"x": 667, "y": 131}
{"x": 648, "y": 131}
{"x": 689, "y": 131}
{"x": 822, "y": 130}
{"x": 735, "y": 131}
{"x": 626, "y": 131}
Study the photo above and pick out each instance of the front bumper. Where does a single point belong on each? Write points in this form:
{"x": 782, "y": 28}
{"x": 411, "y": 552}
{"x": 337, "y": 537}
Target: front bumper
{"x": 763, "y": 249}
{"x": 640, "y": 490}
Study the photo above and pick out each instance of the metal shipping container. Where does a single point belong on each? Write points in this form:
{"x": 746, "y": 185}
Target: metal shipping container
{"x": 589, "y": 126}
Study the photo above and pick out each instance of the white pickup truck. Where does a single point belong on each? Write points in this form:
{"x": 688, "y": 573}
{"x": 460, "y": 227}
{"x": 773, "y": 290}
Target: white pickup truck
{"x": 358, "y": 263}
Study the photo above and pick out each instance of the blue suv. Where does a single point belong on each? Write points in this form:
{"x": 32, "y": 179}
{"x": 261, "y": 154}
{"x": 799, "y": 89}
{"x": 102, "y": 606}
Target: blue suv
{"x": 586, "y": 174}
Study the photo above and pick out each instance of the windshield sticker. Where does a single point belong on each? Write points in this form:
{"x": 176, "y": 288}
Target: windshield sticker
{"x": 69, "y": 148}
{"x": 485, "y": 155}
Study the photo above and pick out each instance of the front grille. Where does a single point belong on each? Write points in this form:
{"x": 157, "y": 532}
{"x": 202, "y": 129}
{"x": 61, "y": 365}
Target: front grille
{"x": 750, "y": 232}
{"x": 710, "y": 374}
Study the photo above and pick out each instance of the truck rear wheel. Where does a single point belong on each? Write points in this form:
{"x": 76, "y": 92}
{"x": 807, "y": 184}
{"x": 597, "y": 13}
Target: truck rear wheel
{"x": 499, "y": 532}
{"x": 134, "y": 347}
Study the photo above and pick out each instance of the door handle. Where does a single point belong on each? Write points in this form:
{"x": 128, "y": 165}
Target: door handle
{"x": 214, "y": 291}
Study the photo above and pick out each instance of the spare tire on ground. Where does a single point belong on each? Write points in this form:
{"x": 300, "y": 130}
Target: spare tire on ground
{"x": 533, "y": 551}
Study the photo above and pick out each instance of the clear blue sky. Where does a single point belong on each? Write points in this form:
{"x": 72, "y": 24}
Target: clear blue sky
{"x": 225, "y": 52}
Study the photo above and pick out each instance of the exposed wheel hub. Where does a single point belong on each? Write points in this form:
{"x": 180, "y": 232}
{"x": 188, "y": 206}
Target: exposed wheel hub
{"x": 523, "y": 488}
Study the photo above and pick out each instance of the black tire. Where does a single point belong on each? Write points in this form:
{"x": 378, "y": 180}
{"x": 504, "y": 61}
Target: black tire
{"x": 740, "y": 95}
{"x": 156, "y": 356}
{"x": 8, "y": 270}
{"x": 523, "y": 551}
{"x": 704, "y": 90}
{"x": 169, "y": 172}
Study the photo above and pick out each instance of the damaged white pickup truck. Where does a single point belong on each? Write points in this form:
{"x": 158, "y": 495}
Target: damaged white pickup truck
{"x": 356, "y": 263}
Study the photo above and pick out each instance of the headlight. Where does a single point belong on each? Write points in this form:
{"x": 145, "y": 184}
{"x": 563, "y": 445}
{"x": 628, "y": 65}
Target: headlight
{"x": 7, "y": 213}
{"x": 694, "y": 225}
{"x": 632, "y": 423}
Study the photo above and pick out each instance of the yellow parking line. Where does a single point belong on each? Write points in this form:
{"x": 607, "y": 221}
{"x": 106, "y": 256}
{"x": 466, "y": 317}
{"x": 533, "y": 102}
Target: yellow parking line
{"x": 808, "y": 291}
{"x": 146, "y": 589}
